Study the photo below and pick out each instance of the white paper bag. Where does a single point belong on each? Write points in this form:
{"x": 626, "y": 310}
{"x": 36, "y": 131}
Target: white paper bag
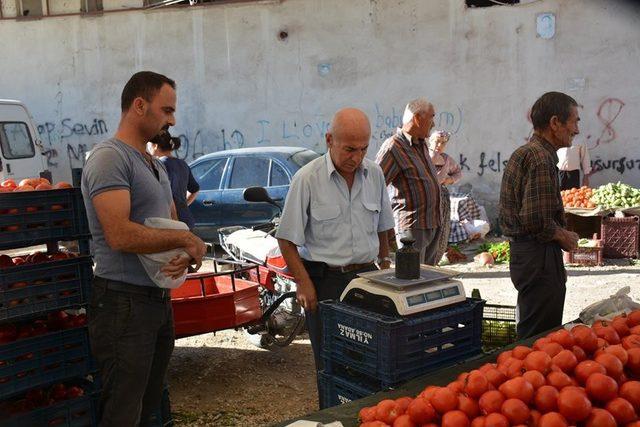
{"x": 152, "y": 263}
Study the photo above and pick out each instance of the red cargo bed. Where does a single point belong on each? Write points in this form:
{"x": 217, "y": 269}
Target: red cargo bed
{"x": 207, "y": 302}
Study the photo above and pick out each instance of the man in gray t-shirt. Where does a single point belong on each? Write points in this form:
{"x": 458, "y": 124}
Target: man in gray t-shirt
{"x": 130, "y": 317}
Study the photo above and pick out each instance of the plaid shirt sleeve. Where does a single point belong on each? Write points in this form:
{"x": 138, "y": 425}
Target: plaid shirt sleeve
{"x": 539, "y": 204}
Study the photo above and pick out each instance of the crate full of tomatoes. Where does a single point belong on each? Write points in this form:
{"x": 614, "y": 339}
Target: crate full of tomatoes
{"x": 43, "y": 282}
{"x": 585, "y": 376}
{"x": 69, "y": 403}
{"x": 39, "y": 351}
{"x": 33, "y": 213}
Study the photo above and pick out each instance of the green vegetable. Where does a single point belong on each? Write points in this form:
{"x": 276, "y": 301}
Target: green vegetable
{"x": 616, "y": 196}
{"x": 499, "y": 251}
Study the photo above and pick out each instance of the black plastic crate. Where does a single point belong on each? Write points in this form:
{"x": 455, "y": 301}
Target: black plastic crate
{"x": 335, "y": 390}
{"x": 498, "y": 326}
{"x": 33, "y": 217}
{"x": 345, "y": 371}
{"x": 395, "y": 349}
{"x": 37, "y": 361}
{"x": 36, "y": 288}
{"x": 78, "y": 412}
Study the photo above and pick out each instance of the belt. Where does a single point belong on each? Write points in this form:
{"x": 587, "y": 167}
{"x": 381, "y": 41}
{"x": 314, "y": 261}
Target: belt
{"x": 350, "y": 267}
{"x": 148, "y": 291}
{"x": 523, "y": 238}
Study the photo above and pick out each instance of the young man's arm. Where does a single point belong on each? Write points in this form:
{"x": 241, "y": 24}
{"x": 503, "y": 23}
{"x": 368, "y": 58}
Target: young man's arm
{"x": 113, "y": 208}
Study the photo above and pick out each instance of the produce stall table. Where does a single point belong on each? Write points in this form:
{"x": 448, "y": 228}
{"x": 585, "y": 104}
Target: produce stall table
{"x": 347, "y": 414}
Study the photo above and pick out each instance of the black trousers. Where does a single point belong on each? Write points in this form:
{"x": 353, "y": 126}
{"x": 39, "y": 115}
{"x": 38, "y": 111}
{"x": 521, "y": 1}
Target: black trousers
{"x": 538, "y": 273}
{"x": 329, "y": 285}
{"x": 569, "y": 179}
{"x": 132, "y": 339}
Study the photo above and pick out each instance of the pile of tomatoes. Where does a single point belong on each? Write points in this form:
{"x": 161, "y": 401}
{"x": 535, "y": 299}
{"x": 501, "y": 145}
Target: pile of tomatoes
{"x": 587, "y": 376}
{"x": 31, "y": 184}
{"x": 578, "y": 198}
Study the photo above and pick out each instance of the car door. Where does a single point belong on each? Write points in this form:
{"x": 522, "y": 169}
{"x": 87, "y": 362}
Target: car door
{"x": 246, "y": 171}
{"x": 206, "y": 207}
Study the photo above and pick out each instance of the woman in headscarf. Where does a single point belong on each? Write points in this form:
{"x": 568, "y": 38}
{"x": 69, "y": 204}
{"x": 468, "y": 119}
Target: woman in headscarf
{"x": 449, "y": 173}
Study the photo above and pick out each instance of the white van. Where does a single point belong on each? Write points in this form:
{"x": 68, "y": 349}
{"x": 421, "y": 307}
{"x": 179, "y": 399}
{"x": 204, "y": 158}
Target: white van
{"x": 21, "y": 151}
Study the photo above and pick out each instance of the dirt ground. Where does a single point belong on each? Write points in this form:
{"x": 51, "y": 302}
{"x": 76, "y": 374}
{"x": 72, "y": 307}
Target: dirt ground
{"x": 222, "y": 380}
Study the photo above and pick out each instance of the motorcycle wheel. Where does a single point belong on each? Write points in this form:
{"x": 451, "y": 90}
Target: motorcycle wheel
{"x": 268, "y": 341}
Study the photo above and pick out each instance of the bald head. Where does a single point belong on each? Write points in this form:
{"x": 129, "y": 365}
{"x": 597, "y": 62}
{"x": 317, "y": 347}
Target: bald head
{"x": 348, "y": 139}
{"x": 350, "y": 123}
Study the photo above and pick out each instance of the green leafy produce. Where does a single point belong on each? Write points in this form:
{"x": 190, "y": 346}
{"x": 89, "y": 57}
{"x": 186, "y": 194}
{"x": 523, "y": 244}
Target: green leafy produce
{"x": 616, "y": 196}
{"x": 587, "y": 243}
{"x": 499, "y": 251}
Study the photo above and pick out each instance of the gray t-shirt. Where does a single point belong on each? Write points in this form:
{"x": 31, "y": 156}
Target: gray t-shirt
{"x": 114, "y": 165}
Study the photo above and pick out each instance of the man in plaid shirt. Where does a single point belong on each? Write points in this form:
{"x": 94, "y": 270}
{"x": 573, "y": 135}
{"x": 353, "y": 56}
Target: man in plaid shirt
{"x": 531, "y": 214}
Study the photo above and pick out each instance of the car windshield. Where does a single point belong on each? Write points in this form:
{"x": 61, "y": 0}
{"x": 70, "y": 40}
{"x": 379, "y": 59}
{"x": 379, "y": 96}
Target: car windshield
{"x": 303, "y": 157}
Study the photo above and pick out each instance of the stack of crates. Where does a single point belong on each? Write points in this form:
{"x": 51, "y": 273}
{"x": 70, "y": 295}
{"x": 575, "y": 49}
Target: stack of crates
{"x": 365, "y": 352}
{"x": 45, "y": 359}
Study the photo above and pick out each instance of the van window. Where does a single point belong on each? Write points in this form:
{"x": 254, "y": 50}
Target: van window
{"x": 15, "y": 141}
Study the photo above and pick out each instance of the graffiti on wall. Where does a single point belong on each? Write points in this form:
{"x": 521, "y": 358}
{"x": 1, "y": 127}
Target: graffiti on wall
{"x": 608, "y": 112}
{"x": 73, "y": 138}
{"x": 66, "y": 134}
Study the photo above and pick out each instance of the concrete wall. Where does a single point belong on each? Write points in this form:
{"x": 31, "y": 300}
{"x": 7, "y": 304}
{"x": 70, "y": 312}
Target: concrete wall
{"x": 240, "y": 84}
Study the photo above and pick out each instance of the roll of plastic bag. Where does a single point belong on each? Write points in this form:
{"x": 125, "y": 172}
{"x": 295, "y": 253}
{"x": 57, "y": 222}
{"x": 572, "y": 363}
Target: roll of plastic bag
{"x": 607, "y": 309}
{"x": 152, "y": 263}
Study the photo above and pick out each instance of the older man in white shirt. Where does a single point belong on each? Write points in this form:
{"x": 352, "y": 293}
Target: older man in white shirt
{"x": 335, "y": 219}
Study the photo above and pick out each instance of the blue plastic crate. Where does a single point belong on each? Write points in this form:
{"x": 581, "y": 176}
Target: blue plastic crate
{"x": 48, "y": 286}
{"x": 395, "y": 349}
{"x": 335, "y": 390}
{"x": 78, "y": 412}
{"x": 38, "y": 361}
{"x": 34, "y": 217}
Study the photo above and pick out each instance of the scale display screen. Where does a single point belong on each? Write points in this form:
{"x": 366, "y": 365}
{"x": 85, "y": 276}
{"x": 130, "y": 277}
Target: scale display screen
{"x": 450, "y": 292}
{"x": 432, "y": 296}
{"x": 415, "y": 300}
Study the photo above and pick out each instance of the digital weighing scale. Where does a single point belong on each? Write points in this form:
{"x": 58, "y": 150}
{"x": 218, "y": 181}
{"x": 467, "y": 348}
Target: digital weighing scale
{"x": 382, "y": 292}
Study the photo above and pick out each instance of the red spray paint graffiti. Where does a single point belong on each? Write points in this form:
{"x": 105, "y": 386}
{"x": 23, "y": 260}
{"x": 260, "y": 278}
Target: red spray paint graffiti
{"x": 608, "y": 112}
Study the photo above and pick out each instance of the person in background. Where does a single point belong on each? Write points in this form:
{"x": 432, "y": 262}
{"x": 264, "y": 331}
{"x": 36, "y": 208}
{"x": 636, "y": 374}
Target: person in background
{"x": 335, "y": 221}
{"x": 570, "y": 161}
{"x": 411, "y": 180}
{"x": 532, "y": 215}
{"x": 184, "y": 186}
{"x": 448, "y": 173}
